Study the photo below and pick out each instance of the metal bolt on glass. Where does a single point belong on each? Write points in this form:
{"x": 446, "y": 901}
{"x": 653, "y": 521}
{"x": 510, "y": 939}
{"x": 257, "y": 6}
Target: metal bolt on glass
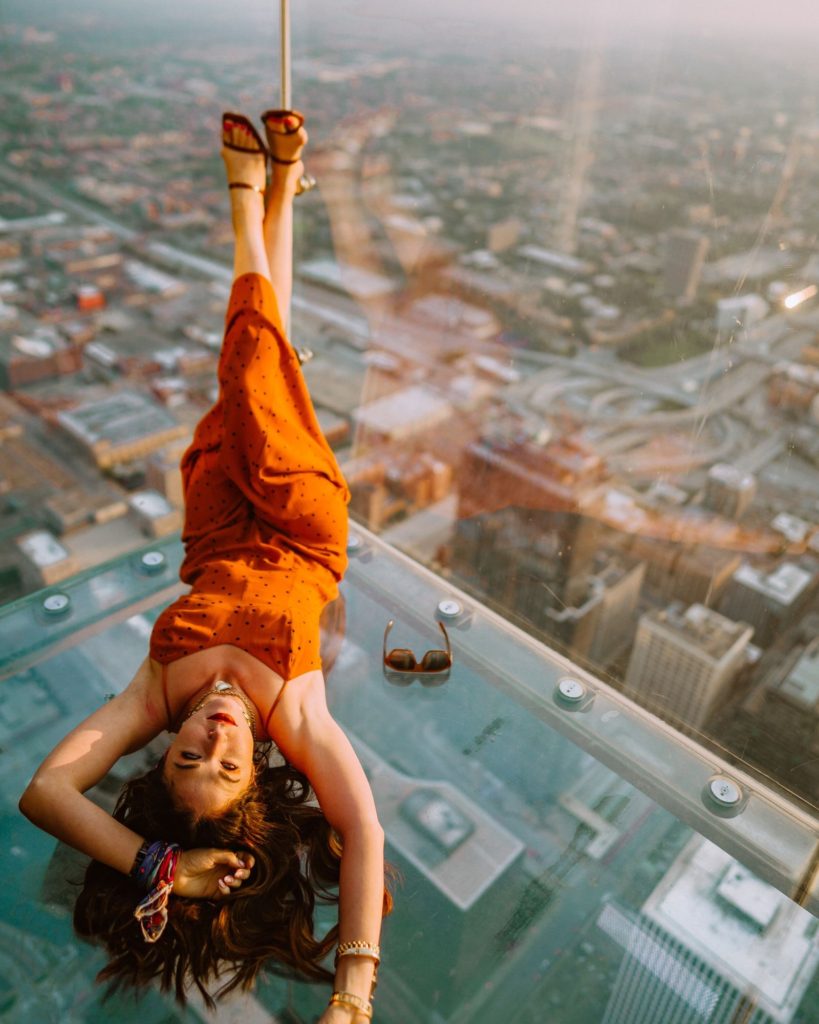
{"x": 353, "y": 542}
{"x": 571, "y": 689}
{"x": 56, "y": 604}
{"x": 725, "y": 791}
{"x": 153, "y": 561}
{"x": 450, "y": 608}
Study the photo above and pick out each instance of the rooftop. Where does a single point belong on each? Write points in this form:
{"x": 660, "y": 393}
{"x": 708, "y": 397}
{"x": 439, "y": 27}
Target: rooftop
{"x": 801, "y": 685}
{"x": 748, "y": 932}
{"x": 784, "y": 584}
{"x": 124, "y": 417}
{"x": 711, "y": 632}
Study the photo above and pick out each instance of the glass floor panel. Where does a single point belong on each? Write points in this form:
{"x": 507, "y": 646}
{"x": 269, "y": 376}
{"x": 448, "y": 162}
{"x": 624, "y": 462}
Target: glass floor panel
{"x": 538, "y": 882}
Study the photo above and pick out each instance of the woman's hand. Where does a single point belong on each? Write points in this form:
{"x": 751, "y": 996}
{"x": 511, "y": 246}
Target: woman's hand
{"x": 210, "y": 874}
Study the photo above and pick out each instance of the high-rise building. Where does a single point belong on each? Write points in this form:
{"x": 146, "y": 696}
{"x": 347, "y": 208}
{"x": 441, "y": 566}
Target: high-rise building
{"x": 462, "y": 871}
{"x": 684, "y": 660}
{"x": 42, "y": 559}
{"x": 792, "y": 704}
{"x": 728, "y": 490}
{"x": 713, "y": 944}
{"x": 521, "y": 537}
{"x": 600, "y": 626}
{"x": 690, "y": 573}
{"x": 769, "y": 601}
{"x": 685, "y": 253}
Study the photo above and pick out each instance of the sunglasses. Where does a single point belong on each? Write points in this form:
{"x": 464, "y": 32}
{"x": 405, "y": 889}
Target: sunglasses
{"x": 401, "y": 659}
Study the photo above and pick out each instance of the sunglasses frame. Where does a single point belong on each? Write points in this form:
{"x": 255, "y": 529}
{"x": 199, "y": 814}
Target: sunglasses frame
{"x": 419, "y": 669}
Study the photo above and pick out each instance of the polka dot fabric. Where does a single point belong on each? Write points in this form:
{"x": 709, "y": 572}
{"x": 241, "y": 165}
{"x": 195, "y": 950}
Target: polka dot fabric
{"x": 265, "y": 505}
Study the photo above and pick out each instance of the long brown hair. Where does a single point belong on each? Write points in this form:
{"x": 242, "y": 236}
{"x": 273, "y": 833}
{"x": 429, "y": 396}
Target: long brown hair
{"x": 267, "y": 922}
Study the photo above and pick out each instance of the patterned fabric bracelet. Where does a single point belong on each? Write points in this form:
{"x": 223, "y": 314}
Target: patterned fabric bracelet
{"x": 147, "y": 864}
{"x": 152, "y": 911}
{"x": 140, "y": 857}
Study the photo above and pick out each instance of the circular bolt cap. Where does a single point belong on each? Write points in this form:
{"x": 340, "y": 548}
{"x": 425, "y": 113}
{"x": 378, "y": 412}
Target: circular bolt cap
{"x": 56, "y": 604}
{"x": 571, "y": 689}
{"x": 725, "y": 791}
{"x": 153, "y": 561}
{"x": 353, "y": 542}
{"x": 449, "y": 608}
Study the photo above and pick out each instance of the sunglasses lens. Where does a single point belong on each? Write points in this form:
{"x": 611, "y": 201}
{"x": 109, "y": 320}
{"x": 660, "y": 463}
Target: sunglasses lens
{"x": 435, "y": 661}
{"x": 401, "y": 661}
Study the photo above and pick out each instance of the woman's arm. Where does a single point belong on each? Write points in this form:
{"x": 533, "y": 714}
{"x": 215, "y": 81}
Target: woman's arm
{"x": 313, "y": 742}
{"x": 54, "y": 799}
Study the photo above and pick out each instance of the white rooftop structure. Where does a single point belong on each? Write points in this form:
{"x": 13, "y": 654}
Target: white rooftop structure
{"x": 42, "y": 548}
{"x": 451, "y": 313}
{"x": 151, "y": 279}
{"x": 460, "y": 848}
{"x": 801, "y": 685}
{"x": 731, "y": 476}
{"x": 746, "y": 930}
{"x": 404, "y": 412}
{"x": 791, "y": 527}
{"x": 749, "y": 895}
{"x": 43, "y": 220}
{"x": 784, "y": 585}
{"x": 151, "y": 504}
{"x": 556, "y": 260}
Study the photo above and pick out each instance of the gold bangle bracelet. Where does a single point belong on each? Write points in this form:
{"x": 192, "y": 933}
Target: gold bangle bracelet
{"x": 358, "y": 944}
{"x": 366, "y": 951}
{"x": 353, "y": 1001}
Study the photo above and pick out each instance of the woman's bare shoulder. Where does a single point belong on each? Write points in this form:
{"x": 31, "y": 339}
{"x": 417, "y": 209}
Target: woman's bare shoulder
{"x": 302, "y": 697}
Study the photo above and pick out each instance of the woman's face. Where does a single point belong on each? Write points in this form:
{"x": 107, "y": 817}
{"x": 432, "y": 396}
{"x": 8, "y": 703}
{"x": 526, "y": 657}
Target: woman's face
{"x": 210, "y": 762}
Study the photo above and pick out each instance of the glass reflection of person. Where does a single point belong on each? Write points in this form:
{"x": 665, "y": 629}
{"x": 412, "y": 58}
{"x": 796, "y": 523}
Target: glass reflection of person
{"x": 233, "y": 665}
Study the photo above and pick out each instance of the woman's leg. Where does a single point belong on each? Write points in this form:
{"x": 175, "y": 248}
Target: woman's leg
{"x": 278, "y": 218}
{"x": 263, "y": 436}
{"x": 246, "y": 204}
{"x": 212, "y": 499}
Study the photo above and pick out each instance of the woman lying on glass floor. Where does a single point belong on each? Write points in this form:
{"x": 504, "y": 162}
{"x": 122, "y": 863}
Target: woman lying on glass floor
{"x": 213, "y": 860}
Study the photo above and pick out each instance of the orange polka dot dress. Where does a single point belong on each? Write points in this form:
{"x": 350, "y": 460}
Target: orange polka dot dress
{"x": 265, "y": 505}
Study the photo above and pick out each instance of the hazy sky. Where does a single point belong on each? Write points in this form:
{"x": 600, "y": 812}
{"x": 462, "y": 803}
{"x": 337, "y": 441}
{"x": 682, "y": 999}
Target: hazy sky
{"x": 798, "y": 19}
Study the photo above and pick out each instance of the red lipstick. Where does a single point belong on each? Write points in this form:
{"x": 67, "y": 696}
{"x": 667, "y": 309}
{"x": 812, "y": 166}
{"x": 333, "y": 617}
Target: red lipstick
{"x": 221, "y": 716}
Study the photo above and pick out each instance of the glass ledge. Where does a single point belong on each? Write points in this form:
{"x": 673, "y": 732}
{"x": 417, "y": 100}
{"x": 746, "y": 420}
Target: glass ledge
{"x": 34, "y": 626}
{"x": 539, "y": 834}
{"x": 775, "y": 839}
